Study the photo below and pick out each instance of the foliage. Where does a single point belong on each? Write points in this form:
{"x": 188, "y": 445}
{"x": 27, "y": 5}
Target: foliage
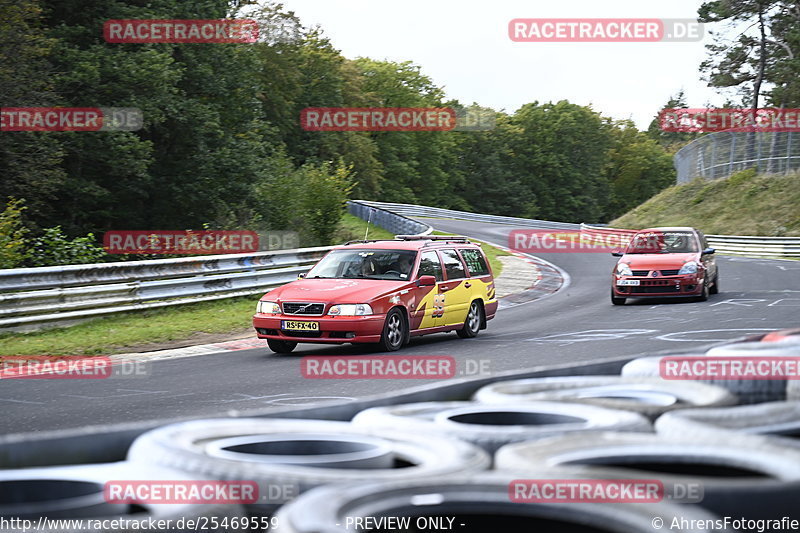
{"x": 221, "y": 146}
{"x": 54, "y": 248}
{"x": 13, "y": 248}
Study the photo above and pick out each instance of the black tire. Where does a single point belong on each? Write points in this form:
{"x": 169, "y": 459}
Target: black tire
{"x": 769, "y": 422}
{"x": 472, "y": 325}
{"x": 194, "y": 448}
{"x": 715, "y": 287}
{"x": 395, "y": 331}
{"x": 476, "y": 504}
{"x": 648, "y": 396}
{"x": 76, "y": 492}
{"x": 278, "y": 346}
{"x": 738, "y": 477}
{"x": 493, "y": 426}
{"x": 615, "y": 300}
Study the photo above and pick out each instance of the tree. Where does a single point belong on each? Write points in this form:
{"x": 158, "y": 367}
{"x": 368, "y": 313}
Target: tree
{"x": 637, "y": 169}
{"x": 29, "y": 161}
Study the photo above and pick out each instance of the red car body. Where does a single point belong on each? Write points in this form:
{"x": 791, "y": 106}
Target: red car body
{"x": 657, "y": 264}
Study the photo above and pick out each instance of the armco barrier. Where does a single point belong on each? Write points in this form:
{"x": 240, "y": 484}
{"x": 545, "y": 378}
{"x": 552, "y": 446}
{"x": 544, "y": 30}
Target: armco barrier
{"x": 752, "y": 246}
{"x": 33, "y": 298}
{"x": 411, "y": 210}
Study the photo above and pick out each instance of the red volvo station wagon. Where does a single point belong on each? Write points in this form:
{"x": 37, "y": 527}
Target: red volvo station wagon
{"x": 382, "y": 291}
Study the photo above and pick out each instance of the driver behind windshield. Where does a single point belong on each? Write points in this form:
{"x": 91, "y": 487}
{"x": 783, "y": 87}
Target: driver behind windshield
{"x": 402, "y": 266}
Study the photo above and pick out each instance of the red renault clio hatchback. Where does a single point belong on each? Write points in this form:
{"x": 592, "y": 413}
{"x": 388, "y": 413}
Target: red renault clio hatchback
{"x": 663, "y": 263}
{"x": 384, "y": 292}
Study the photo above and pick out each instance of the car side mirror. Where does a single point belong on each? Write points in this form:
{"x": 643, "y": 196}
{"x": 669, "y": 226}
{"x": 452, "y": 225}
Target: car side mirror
{"x": 709, "y": 251}
{"x": 617, "y": 253}
{"x": 426, "y": 281}
{"x": 301, "y": 276}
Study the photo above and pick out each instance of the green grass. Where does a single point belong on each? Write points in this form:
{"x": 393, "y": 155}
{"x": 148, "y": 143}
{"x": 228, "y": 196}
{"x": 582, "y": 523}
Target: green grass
{"x": 352, "y": 228}
{"x": 145, "y": 330}
{"x": 118, "y": 333}
{"x": 744, "y": 204}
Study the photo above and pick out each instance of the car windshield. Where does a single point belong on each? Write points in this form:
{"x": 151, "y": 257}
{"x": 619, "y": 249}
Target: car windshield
{"x": 365, "y": 264}
{"x": 662, "y": 242}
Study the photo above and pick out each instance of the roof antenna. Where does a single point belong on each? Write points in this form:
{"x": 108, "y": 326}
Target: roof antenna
{"x": 368, "y": 221}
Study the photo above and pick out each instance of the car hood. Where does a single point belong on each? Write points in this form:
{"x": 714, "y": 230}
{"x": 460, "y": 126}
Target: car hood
{"x": 335, "y": 290}
{"x": 658, "y": 261}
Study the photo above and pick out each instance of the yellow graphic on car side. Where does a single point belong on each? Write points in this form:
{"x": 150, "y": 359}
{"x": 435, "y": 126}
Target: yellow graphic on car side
{"x": 451, "y": 307}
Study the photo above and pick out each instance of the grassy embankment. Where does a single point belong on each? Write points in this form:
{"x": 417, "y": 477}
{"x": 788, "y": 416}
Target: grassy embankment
{"x": 744, "y": 204}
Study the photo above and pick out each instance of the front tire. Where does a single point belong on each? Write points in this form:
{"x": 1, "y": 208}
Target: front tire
{"x": 472, "y": 325}
{"x": 615, "y": 300}
{"x": 279, "y": 346}
{"x": 715, "y": 287}
{"x": 394, "y": 331}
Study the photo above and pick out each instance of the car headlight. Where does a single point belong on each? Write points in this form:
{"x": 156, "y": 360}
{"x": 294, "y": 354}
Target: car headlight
{"x": 268, "y": 308}
{"x": 688, "y": 268}
{"x": 624, "y": 269}
{"x": 350, "y": 310}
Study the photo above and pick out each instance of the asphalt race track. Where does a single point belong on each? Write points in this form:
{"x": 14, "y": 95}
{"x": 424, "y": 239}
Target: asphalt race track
{"x": 578, "y": 323}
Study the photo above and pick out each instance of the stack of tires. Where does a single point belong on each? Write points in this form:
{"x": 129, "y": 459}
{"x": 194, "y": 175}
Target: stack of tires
{"x": 457, "y": 465}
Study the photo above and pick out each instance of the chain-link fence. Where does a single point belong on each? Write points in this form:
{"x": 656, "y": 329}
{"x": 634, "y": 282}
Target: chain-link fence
{"x": 718, "y": 155}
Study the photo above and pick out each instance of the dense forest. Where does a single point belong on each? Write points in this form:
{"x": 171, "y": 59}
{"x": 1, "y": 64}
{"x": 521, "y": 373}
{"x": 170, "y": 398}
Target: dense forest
{"x": 222, "y": 146}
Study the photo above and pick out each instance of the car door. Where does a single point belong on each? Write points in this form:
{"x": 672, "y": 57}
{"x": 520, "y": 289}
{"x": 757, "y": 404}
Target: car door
{"x": 429, "y": 306}
{"x": 709, "y": 261}
{"x": 480, "y": 277}
{"x": 455, "y": 289}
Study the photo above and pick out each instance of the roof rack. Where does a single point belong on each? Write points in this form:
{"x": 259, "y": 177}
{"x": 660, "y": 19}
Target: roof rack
{"x": 362, "y": 241}
{"x": 453, "y": 238}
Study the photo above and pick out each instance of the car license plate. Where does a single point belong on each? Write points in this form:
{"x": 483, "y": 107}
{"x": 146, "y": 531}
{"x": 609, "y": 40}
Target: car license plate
{"x": 293, "y": 325}
{"x": 628, "y": 282}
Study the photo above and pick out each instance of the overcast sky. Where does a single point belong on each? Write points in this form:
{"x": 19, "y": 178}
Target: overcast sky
{"x": 463, "y": 45}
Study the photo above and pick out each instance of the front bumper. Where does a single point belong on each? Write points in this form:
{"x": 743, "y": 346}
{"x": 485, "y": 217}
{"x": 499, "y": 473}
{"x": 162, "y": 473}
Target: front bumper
{"x": 661, "y": 287}
{"x": 333, "y": 330}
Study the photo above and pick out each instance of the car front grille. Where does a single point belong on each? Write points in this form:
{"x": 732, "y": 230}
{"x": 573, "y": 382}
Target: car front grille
{"x": 303, "y": 308}
{"x": 303, "y": 334}
{"x": 655, "y": 289}
{"x": 645, "y": 273}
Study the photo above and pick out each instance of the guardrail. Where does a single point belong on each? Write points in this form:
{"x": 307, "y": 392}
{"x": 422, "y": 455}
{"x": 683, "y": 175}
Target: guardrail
{"x": 33, "y": 298}
{"x": 771, "y": 247}
{"x": 388, "y": 219}
{"x": 37, "y": 298}
{"x": 744, "y": 245}
{"x": 411, "y": 210}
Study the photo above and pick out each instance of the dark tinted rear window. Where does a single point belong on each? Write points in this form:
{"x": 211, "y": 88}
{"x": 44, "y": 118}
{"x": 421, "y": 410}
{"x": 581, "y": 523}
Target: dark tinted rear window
{"x": 476, "y": 264}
